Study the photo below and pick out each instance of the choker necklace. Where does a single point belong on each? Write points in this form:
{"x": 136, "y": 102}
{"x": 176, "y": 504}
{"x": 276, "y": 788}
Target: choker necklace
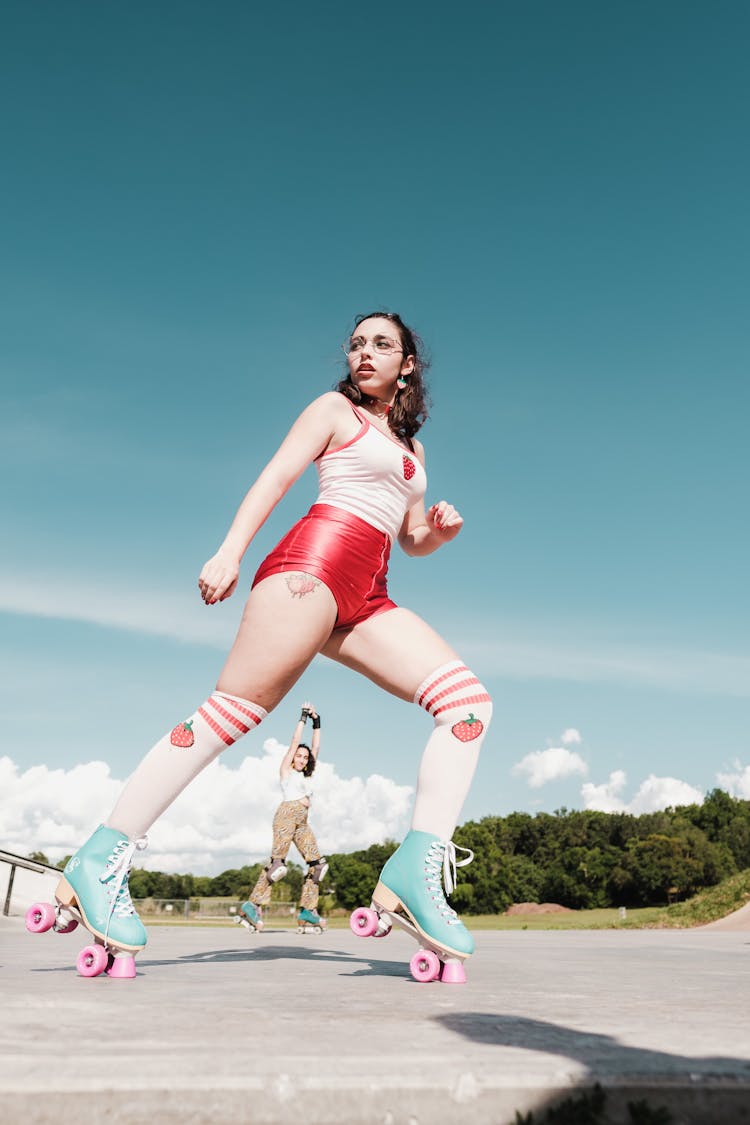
{"x": 384, "y": 410}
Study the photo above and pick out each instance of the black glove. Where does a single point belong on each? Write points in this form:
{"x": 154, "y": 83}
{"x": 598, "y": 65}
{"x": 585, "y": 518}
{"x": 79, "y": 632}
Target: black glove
{"x": 305, "y": 715}
{"x": 316, "y": 722}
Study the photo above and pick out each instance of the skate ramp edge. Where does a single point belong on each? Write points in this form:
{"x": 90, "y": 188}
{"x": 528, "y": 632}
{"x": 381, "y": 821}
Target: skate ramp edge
{"x": 737, "y": 921}
{"x": 371, "y": 1100}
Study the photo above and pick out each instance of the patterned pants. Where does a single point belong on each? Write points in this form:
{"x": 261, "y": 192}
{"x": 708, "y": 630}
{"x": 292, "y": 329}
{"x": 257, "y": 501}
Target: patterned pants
{"x": 290, "y": 827}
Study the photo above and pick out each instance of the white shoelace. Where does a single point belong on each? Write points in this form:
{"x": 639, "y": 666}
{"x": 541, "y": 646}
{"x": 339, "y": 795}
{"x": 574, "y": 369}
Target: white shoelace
{"x": 115, "y": 878}
{"x": 440, "y": 866}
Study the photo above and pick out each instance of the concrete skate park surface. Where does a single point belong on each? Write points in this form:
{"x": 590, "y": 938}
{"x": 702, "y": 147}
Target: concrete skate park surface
{"x": 221, "y": 1025}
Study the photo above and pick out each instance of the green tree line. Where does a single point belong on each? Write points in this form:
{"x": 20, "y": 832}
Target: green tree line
{"x": 582, "y": 860}
{"x": 578, "y": 859}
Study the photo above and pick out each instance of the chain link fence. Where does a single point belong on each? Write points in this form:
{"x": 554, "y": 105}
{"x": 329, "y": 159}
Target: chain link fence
{"x": 203, "y": 909}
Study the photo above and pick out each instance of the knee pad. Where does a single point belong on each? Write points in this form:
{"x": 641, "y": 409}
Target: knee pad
{"x": 275, "y": 870}
{"x": 318, "y": 870}
{"x": 455, "y": 698}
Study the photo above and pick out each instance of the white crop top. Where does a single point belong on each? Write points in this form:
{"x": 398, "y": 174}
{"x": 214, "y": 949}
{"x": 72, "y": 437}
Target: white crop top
{"x": 373, "y": 477}
{"x": 295, "y": 786}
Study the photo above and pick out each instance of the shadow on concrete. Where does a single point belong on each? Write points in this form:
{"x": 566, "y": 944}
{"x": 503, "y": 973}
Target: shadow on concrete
{"x": 362, "y": 966}
{"x": 603, "y": 1054}
{"x": 637, "y": 1085}
{"x": 284, "y": 953}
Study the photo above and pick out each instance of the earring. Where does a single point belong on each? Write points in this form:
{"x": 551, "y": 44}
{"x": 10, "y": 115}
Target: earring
{"x": 401, "y": 382}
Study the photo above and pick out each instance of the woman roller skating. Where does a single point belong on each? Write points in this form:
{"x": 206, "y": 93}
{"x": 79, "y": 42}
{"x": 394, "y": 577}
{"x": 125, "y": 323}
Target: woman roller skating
{"x": 323, "y": 590}
{"x": 290, "y": 827}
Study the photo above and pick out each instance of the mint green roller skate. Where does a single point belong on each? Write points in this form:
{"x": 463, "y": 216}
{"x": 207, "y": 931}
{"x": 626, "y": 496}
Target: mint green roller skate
{"x": 310, "y": 922}
{"x": 94, "y": 891}
{"x": 250, "y": 917}
{"x": 410, "y": 894}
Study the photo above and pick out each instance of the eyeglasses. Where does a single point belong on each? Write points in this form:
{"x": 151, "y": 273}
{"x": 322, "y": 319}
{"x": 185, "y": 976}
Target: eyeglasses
{"x": 383, "y": 345}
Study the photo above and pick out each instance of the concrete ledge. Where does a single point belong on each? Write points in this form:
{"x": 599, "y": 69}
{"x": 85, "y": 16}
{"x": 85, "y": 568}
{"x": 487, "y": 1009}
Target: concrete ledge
{"x": 286, "y": 1100}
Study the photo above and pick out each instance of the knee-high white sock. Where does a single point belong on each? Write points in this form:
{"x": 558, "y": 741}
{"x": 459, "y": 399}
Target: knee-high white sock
{"x": 179, "y": 757}
{"x": 462, "y": 710}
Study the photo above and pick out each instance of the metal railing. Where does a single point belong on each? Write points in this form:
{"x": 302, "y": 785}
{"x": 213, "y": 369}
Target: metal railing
{"x": 20, "y": 861}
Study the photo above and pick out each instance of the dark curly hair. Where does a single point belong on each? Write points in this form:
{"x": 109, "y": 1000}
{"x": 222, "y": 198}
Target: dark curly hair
{"x": 311, "y": 761}
{"x": 410, "y": 410}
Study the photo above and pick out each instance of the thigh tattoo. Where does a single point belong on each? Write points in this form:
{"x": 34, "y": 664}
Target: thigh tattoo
{"x": 301, "y": 584}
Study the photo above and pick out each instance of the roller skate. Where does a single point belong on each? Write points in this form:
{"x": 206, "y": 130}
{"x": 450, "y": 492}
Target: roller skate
{"x": 94, "y": 891}
{"x": 310, "y": 922}
{"x": 410, "y": 894}
{"x": 251, "y": 917}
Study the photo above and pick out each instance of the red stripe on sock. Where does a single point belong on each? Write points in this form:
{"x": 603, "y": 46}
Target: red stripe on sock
{"x": 223, "y": 735}
{"x": 230, "y": 718}
{"x": 441, "y": 679}
{"x": 256, "y": 718}
{"x": 484, "y": 698}
{"x": 471, "y": 682}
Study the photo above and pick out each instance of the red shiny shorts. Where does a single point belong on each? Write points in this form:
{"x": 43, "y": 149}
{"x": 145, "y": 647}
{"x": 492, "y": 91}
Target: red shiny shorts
{"x": 345, "y": 552}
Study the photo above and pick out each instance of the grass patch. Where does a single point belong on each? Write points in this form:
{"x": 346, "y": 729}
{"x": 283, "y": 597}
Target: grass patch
{"x": 605, "y": 919}
{"x": 711, "y": 904}
{"x": 708, "y": 906}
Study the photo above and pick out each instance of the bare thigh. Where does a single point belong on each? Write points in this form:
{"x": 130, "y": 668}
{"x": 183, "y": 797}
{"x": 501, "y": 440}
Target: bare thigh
{"x": 395, "y": 649}
{"x": 280, "y": 633}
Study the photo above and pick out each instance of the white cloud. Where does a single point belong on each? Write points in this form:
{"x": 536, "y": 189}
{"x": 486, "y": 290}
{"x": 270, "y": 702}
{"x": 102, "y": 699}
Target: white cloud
{"x": 661, "y": 792}
{"x": 738, "y": 783}
{"x": 553, "y": 764}
{"x": 570, "y": 737}
{"x": 223, "y": 819}
{"x": 654, "y": 794}
{"x": 605, "y": 798}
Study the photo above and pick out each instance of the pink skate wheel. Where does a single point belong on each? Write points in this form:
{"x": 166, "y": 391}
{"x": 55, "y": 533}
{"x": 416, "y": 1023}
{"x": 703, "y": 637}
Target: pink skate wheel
{"x": 92, "y": 960}
{"x": 40, "y": 917}
{"x": 363, "y": 922}
{"x": 122, "y": 967}
{"x": 425, "y": 966}
{"x": 453, "y": 972}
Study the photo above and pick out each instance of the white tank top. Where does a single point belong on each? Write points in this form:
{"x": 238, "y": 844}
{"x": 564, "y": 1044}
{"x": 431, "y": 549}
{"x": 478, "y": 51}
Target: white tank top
{"x": 295, "y": 786}
{"x": 373, "y": 477}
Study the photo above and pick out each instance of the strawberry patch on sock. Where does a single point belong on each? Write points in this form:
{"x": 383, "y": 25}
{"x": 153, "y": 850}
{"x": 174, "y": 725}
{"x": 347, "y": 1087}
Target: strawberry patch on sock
{"x": 182, "y": 735}
{"x": 468, "y": 729}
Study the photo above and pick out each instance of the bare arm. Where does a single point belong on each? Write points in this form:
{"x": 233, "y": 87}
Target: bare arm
{"x": 315, "y": 747}
{"x": 314, "y": 430}
{"x": 422, "y": 532}
{"x": 286, "y": 762}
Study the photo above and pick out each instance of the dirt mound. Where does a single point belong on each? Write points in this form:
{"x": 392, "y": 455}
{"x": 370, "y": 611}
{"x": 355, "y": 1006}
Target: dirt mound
{"x": 538, "y": 908}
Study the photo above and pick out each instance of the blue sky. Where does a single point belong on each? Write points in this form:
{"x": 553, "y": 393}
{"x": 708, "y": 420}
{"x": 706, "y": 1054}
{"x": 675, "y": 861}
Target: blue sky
{"x": 197, "y": 200}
